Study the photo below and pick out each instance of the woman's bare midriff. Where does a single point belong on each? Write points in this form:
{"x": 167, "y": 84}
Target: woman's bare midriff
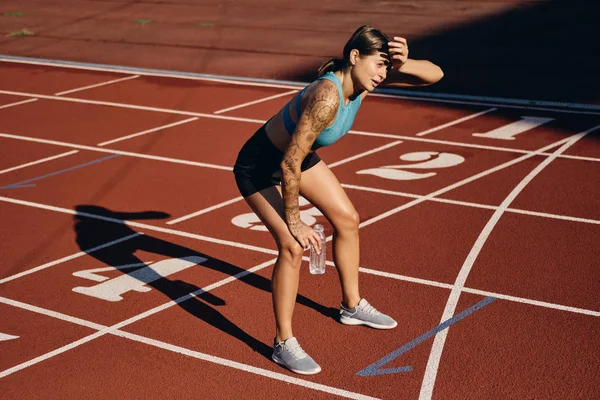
{"x": 276, "y": 131}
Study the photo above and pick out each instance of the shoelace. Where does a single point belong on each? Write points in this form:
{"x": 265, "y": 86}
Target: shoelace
{"x": 369, "y": 309}
{"x": 296, "y": 351}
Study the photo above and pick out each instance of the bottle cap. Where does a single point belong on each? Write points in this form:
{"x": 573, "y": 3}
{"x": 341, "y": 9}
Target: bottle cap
{"x": 318, "y": 228}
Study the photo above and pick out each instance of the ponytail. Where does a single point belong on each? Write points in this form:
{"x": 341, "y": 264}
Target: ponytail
{"x": 366, "y": 40}
{"x": 331, "y": 65}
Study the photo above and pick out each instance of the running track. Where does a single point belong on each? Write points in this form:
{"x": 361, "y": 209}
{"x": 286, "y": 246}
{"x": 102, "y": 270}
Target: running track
{"x": 130, "y": 267}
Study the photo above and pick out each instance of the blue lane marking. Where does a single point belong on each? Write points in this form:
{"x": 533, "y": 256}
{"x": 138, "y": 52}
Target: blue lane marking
{"x": 374, "y": 369}
{"x": 23, "y": 184}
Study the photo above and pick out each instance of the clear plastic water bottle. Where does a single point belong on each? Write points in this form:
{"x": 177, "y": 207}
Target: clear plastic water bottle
{"x": 317, "y": 260}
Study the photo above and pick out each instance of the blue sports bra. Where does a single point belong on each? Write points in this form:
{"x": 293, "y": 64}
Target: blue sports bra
{"x": 343, "y": 120}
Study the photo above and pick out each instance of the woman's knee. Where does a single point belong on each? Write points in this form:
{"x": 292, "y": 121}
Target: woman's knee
{"x": 291, "y": 250}
{"x": 347, "y": 221}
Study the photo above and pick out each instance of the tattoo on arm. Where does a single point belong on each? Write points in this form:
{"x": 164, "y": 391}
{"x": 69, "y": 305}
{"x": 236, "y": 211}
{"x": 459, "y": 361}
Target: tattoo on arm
{"x": 318, "y": 115}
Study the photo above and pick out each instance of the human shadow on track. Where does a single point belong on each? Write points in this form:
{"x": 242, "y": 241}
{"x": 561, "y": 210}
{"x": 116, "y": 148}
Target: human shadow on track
{"x": 96, "y": 226}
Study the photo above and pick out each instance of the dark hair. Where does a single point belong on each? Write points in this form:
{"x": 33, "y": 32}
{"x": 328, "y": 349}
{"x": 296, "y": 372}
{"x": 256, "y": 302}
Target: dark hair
{"x": 367, "y": 40}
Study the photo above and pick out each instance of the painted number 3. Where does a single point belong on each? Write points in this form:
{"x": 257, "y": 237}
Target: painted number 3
{"x": 422, "y": 160}
{"x": 251, "y": 220}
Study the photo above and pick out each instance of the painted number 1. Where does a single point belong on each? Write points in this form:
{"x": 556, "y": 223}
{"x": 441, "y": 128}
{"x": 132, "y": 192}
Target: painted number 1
{"x": 508, "y": 132}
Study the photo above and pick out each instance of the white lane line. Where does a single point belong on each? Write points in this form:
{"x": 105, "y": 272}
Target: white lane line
{"x": 579, "y": 158}
{"x": 459, "y": 184}
{"x": 257, "y": 121}
{"x": 206, "y": 210}
{"x": 43, "y": 160}
{"x": 70, "y": 91}
{"x": 472, "y": 205}
{"x": 440, "y": 338}
{"x": 177, "y": 349}
{"x": 185, "y": 121}
{"x": 131, "y": 106}
{"x": 399, "y": 277}
{"x": 58, "y": 94}
{"x": 50, "y": 313}
{"x": 276, "y": 96}
{"x": 257, "y": 82}
{"x": 467, "y": 145}
{"x": 437, "y": 141}
{"x": 230, "y": 363}
{"x": 4, "y": 337}
{"x": 241, "y": 81}
{"x": 97, "y": 85}
{"x": 18, "y": 103}
{"x": 554, "y": 216}
{"x": 538, "y": 303}
{"x": 68, "y": 258}
{"x": 244, "y": 367}
{"x": 366, "y": 153}
{"x": 458, "y": 121}
{"x": 51, "y": 354}
{"x": 485, "y": 293}
{"x": 141, "y": 226}
{"x": 104, "y": 330}
{"x": 114, "y": 151}
{"x": 499, "y": 102}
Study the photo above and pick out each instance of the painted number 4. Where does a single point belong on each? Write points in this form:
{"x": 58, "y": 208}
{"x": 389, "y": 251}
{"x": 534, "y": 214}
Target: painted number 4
{"x": 136, "y": 281}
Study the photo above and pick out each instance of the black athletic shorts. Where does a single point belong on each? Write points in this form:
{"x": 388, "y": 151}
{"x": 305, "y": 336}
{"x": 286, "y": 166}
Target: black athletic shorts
{"x": 258, "y": 164}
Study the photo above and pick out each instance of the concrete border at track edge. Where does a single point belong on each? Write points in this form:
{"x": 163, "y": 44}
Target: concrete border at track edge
{"x": 295, "y": 84}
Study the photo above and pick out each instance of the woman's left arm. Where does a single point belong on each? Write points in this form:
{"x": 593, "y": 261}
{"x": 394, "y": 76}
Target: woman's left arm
{"x": 407, "y": 72}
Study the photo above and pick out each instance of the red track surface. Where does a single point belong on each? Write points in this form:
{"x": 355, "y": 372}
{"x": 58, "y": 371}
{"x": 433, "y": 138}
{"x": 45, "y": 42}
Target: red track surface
{"x": 539, "y": 339}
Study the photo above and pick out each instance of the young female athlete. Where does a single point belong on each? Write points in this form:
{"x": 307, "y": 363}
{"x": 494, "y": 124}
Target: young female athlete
{"x": 282, "y": 152}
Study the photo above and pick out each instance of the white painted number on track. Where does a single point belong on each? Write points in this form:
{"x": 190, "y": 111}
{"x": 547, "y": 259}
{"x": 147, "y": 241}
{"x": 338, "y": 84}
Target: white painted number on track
{"x": 509, "y": 131}
{"x": 112, "y": 289}
{"x": 422, "y": 159}
{"x": 251, "y": 220}
{"x": 4, "y": 337}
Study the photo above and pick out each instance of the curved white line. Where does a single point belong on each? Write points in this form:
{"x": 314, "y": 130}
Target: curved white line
{"x": 440, "y": 338}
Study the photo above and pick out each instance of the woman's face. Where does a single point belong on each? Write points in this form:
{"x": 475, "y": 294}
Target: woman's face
{"x": 369, "y": 71}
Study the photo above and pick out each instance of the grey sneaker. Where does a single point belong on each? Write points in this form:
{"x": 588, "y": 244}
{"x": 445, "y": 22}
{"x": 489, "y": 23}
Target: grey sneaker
{"x": 289, "y": 354}
{"x": 366, "y": 314}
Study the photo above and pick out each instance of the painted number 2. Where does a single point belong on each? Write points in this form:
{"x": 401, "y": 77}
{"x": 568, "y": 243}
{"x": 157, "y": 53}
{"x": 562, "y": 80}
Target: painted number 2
{"x": 422, "y": 160}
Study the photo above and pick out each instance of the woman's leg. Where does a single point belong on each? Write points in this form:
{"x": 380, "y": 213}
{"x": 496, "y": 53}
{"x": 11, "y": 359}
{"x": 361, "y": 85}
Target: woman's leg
{"x": 320, "y": 186}
{"x": 268, "y": 206}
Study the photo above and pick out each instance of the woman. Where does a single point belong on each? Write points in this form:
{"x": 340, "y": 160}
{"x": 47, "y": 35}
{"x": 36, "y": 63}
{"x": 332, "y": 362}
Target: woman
{"x": 283, "y": 152}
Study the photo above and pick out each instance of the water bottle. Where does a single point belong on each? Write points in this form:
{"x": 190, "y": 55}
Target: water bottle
{"x": 316, "y": 264}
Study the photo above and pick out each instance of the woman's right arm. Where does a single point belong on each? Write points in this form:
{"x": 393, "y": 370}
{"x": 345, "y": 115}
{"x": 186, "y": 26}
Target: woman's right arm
{"x": 319, "y": 113}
